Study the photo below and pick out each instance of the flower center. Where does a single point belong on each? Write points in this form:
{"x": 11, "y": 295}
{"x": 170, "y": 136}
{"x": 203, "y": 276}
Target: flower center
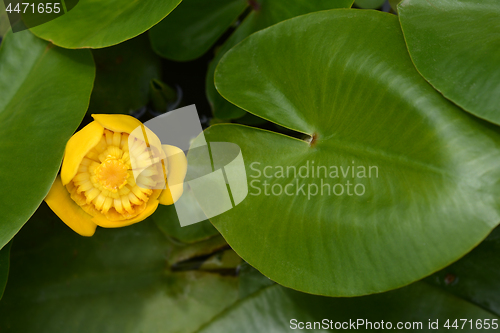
{"x": 112, "y": 173}
{"x": 105, "y": 182}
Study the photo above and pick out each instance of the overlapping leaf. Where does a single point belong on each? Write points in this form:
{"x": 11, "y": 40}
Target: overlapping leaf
{"x": 344, "y": 78}
{"x": 194, "y": 28}
{"x": 96, "y": 24}
{"x": 264, "y": 14}
{"x": 454, "y": 45}
{"x": 45, "y": 92}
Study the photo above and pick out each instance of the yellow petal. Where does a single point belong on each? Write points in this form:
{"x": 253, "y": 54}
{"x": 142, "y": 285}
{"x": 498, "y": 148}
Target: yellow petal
{"x": 177, "y": 168}
{"x": 128, "y": 124}
{"x": 77, "y": 147}
{"x": 151, "y": 206}
{"x": 117, "y": 122}
{"x": 69, "y": 212}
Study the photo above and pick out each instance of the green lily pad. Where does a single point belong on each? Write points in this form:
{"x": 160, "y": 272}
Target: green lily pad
{"x": 454, "y": 45}
{"x": 293, "y": 310}
{"x": 4, "y": 267}
{"x": 264, "y": 13}
{"x": 194, "y": 27}
{"x": 411, "y": 180}
{"x": 96, "y": 24}
{"x": 124, "y": 73}
{"x": 45, "y": 93}
{"x": 116, "y": 281}
{"x": 468, "y": 293}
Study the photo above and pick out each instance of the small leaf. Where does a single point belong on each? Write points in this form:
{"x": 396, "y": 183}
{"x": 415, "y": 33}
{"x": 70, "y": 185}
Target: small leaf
{"x": 45, "y": 92}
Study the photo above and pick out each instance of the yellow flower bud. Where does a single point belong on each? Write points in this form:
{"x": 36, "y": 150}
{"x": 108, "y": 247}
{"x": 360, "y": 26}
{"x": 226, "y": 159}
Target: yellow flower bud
{"x": 97, "y": 185}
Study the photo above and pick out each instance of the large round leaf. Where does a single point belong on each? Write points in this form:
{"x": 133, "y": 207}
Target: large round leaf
{"x": 45, "y": 92}
{"x": 194, "y": 27}
{"x": 454, "y": 45}
{"x": 423, "y": 175}
{"x": 116, "y": 281}
{"x": 264, "y": 13}
{"x": 123, "y": 76}
{"x": 96, "y": 24}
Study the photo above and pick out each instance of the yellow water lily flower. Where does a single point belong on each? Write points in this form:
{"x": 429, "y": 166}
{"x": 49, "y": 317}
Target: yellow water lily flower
{"x": 114, "y": 173}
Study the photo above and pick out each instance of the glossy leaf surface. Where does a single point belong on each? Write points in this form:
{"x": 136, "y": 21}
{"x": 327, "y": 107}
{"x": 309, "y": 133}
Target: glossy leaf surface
{"x": 454, "y": 45}
{"x": 45, "y": 92}
{"x": 411, "y": 180}
{"x": 96, "y": 24}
